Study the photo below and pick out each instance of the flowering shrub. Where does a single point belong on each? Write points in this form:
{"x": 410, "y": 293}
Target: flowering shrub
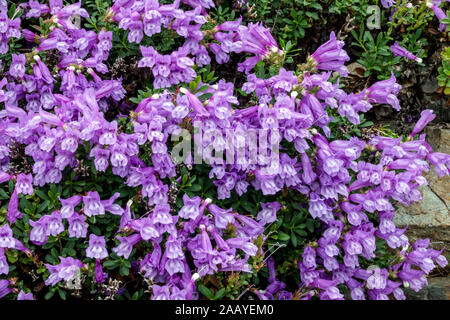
{"x": 99, "y": 203}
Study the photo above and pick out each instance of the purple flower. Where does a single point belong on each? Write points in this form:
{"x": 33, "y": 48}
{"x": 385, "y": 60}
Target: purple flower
{"x": 4, "y": 267}
{"x": 426, "y": 116}
{"x": 64, "y": 271}
{"x": 112, "y": 207}
{"x": 173, "y": 266}
{"x": 148, "y": 229}
{"x": 160, "y": 292}
{"x": 441, "y": 162}
{"x": 6, "y": 237}
{"x": 398, "y": 50}
{"x": 126, "y": 245}
{"x": 41, "y": 71}
{"x": 190, "y": 210}
{"x": 256, "y": 39}
{"x": 77, "y": 226}
{"x": 161, "y": 214}
{"x": 385, "y": 91}
{"x": 92, "y": 204}
{"x": 68, "y": 205}
{"x": 150, "y": 264}
{"x": 387, "y": 3}
{"x": 36, "y": 9}
{"x": 244, "y": 244}
{"x": 308, "y": 174}
{"x": 24, "y": 184}
{"x": 250, "y": 227}
{"x": 331, "y": 56}
{"x": 55, "y": 6}
{"x": 38, "y": 234}
{"x": 378, "y": 279}
{"x": 100, "y": 276}
{"x": 268, "y": 214}
{"x": 5, "y": 177}
{"x": 331, "y": 293}
{"x": 4, "y": 290}
{"x": 13, "y": 208}
{"x": 174, "y": 249}
{"x": 309, "y": 258}
{"x": 104, "y": 40}
{"x": 440, "y": 14}
{"x": 17, "y": 68}
{"x": 101, "y": 158}
{"x": 54, "y": 224}
{"x": 96, "y": 249}
{"x": 25, "y": 296}
{"x": 195, "y": 103}
{"x": 222, "y": 218}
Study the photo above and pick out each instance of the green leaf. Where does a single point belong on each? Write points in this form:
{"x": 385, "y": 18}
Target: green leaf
{"x": 208, "y": 293}
{"x": 366, "y": 124}
{"x": 49, "y": 295}
{"x": 283, "y": 236}
{"x": 219, "y": 294}
{"x": 3, "y": 195}
{"x": 300, "y": 232}
{"x": 194, "y": 188}
{"x": 294, "y": 240}
{"x": 203, "y": 88}
{"x": 194, "y": 84}
{"x": 124, "y": 271}
{"x": 310, "y": 225}
{"x": 41, "y": 194}
{"x": 111, "y": 264}
{"x": 205, "y": 96}
{"x": 62, "y": 294}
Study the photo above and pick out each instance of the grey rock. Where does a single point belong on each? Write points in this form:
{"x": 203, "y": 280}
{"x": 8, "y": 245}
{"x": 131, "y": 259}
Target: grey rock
{"x": 430, "y": 86}
{"x": 430, "y": 218}
{"x": 437, "y": 289}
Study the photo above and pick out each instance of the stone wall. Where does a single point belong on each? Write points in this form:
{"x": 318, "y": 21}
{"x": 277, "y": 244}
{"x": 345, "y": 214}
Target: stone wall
{"x": 430, "y": 218}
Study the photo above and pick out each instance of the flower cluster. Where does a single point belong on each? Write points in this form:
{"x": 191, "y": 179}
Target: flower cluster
{"x": 55, "y": 100}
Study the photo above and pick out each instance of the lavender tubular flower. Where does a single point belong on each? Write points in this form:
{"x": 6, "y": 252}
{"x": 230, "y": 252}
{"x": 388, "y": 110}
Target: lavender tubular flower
{"x": 25, "y": 296}
{"x": 77, "y": 226}
{"x": 268, "y": 214}
{"x": 13, "y": 206}
{"x": 398, "y": 50}
{"x": 65, "y": 270}
{"x": 439, "y": 13}
{"x": 4, "y": 267}
{"x": 426, "y": 116}
{"x": 126, "y": 245}
{"x": 331, "y": 56}
{"x": 96, "y": 249}
{"x": 24, "y": 184}
{"x": 71, "y": 119}
{"x": 6, "y": 237}
{"x": 92, "y": 204}
{"x": 4, "y": 289}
